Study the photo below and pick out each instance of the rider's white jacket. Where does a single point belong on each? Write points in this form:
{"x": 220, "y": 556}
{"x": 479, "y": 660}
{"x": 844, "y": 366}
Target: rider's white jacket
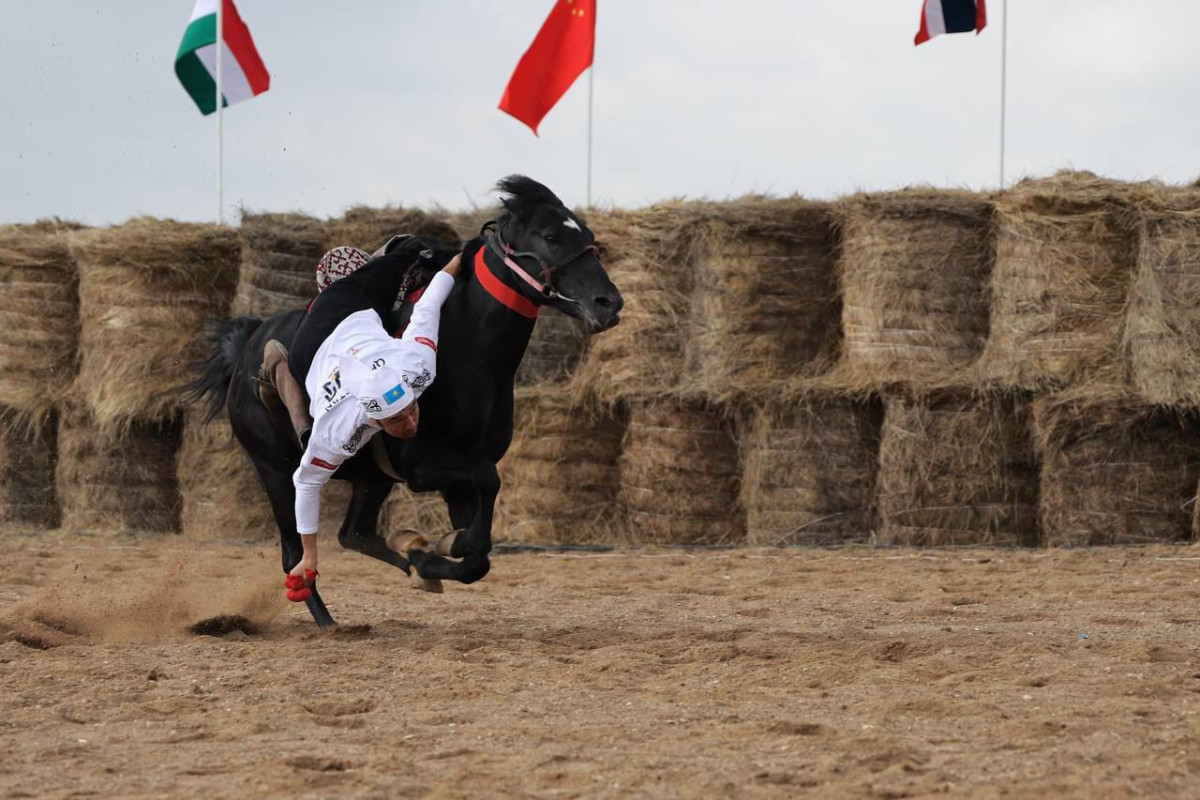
{"x": 340, "y": 425}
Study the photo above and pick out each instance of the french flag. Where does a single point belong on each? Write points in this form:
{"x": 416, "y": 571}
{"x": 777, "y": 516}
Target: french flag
{"x": 951, "y": 16}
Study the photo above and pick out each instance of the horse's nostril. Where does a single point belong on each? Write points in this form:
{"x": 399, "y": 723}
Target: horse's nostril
{"x": 603, "y": 301}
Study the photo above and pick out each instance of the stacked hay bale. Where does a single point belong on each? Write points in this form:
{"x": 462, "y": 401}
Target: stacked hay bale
{"x": 560, "y": 474}
{"x": 1065, "y": 255}
{"x": 679, "y": 475}
{"x": 1115, "y": 471}
{"x": 38, "y": 337}
{"x": 146, "y": 289}
{"x": 957, "y": 469}
{"x": 221, "y": 496}
{"x": 764, "y": 295}
{"x": 809, "y": 472}
{"x": 555, "y": 349}
{"x": 914, "y": 273}
{"x": 1162, "y": 336}
{"x": 647, "y": 254}
{"x": 369, "y": 228}
{"x": 424, "y": 512}
{"x": 279, "y": 262}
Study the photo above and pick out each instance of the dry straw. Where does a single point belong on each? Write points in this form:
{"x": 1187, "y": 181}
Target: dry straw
{"x": 810, "y": 472}
{"x": 27, "y": 495}
{"x": 559, "y": 478}
{"x": 1115, "y": 471}
{"x": 1162, "y": 334}
{"x": 914, "y": 273}
{"x": 222, "y": 498}
{"x": 39, "y": 319}
{"x": 369, "y": 228}
{"x": 1066, "y": 251}
{"x": 648, "y": 256}
{"x": 554, "y": 350}
{"x": 680, "y": 476}
{"x": 957, "y": 470}
{"x": 146, "y": 289}
{"x": 424, "y": 513}
{"x": 117, "y": 482}
{"x": 279, "y": 262}
{"x": 763, "y": 306}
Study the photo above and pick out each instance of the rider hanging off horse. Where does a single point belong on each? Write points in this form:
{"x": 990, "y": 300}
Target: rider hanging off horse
{"x": 309, "y": 391}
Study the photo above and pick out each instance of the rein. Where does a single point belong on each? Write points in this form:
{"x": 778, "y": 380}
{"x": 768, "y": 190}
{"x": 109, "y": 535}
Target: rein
{"x": 545, "y": 289}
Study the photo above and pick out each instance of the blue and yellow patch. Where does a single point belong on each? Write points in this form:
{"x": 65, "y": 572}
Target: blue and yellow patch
{"x": 393, "y": 394}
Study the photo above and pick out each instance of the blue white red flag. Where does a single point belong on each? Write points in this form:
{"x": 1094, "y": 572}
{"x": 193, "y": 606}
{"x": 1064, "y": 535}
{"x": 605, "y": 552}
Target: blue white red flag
{"x": 951, "y": 16}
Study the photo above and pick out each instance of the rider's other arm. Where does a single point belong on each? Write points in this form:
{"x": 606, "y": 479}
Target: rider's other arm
{"x": 316, "y": 468}
{"x": 427, "y": 313}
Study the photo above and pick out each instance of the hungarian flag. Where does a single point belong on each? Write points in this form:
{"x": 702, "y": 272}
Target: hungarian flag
{"x": 951, "y": 16}
{"x": 559, "y": 55}
{"x": 242, "y": 72}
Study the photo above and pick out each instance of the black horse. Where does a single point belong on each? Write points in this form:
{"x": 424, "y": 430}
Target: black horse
{"x": 536, "y": 253}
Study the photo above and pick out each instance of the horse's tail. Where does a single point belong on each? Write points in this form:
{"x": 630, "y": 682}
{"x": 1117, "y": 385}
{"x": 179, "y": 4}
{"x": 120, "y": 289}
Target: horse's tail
{"x": 227, "y": 339}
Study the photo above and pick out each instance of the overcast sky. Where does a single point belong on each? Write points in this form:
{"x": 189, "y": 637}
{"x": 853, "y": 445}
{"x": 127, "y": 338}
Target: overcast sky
{"x": 394, "y": 101}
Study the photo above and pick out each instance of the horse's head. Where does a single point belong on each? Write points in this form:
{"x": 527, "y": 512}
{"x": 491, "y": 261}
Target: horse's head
{"x": 557, "y": 251}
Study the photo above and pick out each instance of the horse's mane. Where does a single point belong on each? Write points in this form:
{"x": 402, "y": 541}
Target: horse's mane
{"x": 521, "y": 194}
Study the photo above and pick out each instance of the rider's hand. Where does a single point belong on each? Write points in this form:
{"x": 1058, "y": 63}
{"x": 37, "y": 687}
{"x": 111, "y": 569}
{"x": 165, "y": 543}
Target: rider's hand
{"x": 454, "y": 267}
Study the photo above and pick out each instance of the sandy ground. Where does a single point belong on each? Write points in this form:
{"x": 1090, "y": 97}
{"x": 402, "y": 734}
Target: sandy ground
{"x": 743, "y": 673}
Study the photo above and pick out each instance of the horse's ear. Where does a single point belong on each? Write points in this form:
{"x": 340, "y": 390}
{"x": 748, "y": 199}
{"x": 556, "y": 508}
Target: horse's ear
{"x": 515, "y": 207}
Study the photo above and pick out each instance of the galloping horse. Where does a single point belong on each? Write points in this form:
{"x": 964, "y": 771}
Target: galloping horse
{"x": 536, "y": 253}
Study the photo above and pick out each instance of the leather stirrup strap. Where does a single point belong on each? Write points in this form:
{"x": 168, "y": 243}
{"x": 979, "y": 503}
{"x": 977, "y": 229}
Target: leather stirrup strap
{"x": 379, "y": 453}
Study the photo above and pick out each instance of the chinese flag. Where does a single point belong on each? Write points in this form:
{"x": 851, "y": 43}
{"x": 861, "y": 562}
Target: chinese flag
{"x": 559, "y": 55}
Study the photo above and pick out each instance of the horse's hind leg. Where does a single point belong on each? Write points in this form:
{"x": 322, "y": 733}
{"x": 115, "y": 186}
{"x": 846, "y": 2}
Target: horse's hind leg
{"x": 360, "y": 531}
{"x": 282, "y": 494}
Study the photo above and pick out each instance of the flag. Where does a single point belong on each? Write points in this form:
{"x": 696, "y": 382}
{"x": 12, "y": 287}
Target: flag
{"x": 242, "y": 72}
{"x": 559, "y": 54}
{"x": 951, "y": 16}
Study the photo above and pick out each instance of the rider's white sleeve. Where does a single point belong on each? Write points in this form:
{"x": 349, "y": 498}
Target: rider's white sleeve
{"x": 316, "y": 468}
{"x": 427, "y": 313}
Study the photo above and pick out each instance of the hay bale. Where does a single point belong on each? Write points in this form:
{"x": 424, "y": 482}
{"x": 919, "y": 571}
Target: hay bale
{"x": 914, "y": 271}
{"x": 467, "y": 224}
{"x": 222, "y": 498}
{"x": 1066, "y": 249}
{"x": 117, "y": 481}
{"x": 957, "y": 470}
{"x": 764, "y": 295}
{"x": 146, "y": 289}
{"x": 809, "y": 474}
{"x": 559, "y": 478}
{"x": 1115, "y": 471}
{"x": 279, "y": 262}
{"x": 679, "y": 475}
{"x": 39, "y": 318}
{"x": 29, "y": 455}
{"x": 647, "y": 254}
{"x": 1162, "y": 330}
{"x": 424, "y": 513}
{"x": 369, "y": 228}
{"x": 555, "y": 349}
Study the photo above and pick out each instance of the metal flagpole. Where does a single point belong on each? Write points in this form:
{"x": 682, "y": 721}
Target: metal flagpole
{"x": 220, "y": 124}
{"x": 1003, "y": 82}
{"x": 591, "y": 72}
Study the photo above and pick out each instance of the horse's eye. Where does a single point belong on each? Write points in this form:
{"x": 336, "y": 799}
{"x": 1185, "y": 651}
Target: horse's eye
{"x": 550, "y": 237}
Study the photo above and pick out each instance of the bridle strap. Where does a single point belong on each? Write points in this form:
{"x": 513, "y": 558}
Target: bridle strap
{"x": 495, "y": 240}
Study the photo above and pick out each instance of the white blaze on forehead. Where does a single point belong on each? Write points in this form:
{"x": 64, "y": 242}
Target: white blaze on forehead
{"x": 570, "y": 223}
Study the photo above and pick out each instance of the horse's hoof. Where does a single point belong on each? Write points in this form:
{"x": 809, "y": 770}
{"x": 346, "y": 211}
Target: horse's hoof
{"x": 446, "y": 544}
{"x": 425, "y": 584}
{"x": 406, "y": 541}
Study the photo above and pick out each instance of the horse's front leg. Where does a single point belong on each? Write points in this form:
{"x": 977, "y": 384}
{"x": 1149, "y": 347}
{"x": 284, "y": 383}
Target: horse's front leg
{"x": 471, "y": 501}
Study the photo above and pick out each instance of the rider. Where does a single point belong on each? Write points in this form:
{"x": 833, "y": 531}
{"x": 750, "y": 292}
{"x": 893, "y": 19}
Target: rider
{"x": 360, "y": 381}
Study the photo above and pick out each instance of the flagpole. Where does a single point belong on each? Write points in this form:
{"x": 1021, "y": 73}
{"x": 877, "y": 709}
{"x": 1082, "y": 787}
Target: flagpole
{"x": 591, "y": 72}
{"x": 1003, "y": 82}
{"x": 220, "y": 125}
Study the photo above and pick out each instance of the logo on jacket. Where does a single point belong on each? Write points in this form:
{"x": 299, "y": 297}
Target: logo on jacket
{"x": 332, "y": 386}
{"x": 418, "y": 382}
{"x": 355, "y": 440}
{"x": 425, "y": 340}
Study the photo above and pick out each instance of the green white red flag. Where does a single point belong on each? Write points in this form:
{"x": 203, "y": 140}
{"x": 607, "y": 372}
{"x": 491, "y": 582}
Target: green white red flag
{"x": 243, "y": 74}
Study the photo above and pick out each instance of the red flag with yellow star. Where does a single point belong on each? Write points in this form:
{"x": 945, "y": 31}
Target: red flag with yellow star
{"x": 560, "y": 53}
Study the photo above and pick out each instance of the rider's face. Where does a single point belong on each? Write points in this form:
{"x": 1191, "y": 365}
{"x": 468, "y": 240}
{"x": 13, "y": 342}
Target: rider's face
{"x": 404, "y": 424}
